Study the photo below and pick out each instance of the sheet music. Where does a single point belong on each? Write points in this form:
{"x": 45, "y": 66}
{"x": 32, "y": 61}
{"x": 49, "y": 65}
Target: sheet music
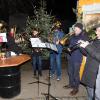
{"x": 51, "y": 46}
{"x": 36, "y": 42}
{"x": 3, "y": 37}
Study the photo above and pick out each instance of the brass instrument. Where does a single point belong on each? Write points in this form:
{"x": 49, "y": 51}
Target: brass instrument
{"x": 56, "y": 25}
{"x": 65, "y": 39}
{"x": 3, "y": 26}
{"x": 74, "y": 47}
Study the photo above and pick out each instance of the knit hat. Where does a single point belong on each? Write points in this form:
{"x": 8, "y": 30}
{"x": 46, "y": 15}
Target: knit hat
{"x": 79, "y": 25}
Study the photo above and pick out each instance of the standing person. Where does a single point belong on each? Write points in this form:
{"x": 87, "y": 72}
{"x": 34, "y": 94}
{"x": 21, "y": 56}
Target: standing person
{"x": 91, "y": 74}
{"x": 36, "y": 55}
{"x": 75, "y": 59}
{"x": 55, "y": 57}
{"x": 12, "y": 46}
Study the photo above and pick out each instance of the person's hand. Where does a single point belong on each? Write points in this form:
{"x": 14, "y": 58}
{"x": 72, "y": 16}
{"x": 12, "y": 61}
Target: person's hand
{"x": 68, "y": 49}
{"x": 71, "y": 33}
{"x": 83, "y": 43}
{"x": 57, "y": 42}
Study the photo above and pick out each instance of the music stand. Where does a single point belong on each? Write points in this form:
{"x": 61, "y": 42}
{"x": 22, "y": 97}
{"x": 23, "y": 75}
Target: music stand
{"x": 48, "y": 95}
{"x": 36, "y": 42}
{"x": 38, "y": 82}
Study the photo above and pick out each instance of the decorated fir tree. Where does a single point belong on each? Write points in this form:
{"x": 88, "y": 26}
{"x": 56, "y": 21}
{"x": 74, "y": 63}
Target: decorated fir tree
{"x": 40, "y": 20}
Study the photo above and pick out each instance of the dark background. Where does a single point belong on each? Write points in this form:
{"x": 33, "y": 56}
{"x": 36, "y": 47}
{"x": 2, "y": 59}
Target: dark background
{"x": 62, "y": 9}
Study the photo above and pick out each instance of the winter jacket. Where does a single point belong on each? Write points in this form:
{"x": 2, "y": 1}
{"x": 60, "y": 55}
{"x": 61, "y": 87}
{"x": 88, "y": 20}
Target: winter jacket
{"x": 92, "y": 64}
{"x": 76, "y": 55}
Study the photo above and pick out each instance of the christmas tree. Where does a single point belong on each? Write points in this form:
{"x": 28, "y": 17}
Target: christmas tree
{"x": 40, "y": 20}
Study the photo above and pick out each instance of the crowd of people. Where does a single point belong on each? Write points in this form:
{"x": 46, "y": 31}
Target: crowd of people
{"x": 79, "y": 46}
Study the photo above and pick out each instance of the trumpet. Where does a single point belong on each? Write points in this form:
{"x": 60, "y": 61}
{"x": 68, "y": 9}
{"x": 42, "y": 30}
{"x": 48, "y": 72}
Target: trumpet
{"x": 74, "y": 47}
{"x": 65, "y": 39}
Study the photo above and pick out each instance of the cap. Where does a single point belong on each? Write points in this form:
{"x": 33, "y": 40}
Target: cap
{"x": 79, "y": 25}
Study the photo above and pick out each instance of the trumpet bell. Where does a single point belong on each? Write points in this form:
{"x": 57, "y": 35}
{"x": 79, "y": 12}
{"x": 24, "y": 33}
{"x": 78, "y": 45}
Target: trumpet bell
{"x": 64, "y": 41}
{"x": 66, "y": 38}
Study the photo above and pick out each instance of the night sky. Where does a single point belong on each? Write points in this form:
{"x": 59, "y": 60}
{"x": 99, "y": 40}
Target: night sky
{"x": 62, "y": 8}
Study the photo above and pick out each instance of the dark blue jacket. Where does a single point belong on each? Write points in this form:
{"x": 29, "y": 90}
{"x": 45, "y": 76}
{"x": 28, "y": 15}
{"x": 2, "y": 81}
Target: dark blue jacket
{"x": 76, "y": 54}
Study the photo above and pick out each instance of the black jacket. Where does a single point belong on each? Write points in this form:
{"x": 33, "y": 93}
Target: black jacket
{"x": 92, "y": 64}
{"x": 12, "y": 46}
{"x": 76, "y": 54}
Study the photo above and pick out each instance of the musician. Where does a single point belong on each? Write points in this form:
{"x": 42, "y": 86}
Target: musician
{"x": 12, "y": 46}
{"x": 91, "y": 74}
{"x": 36, "y": 55}
{"x": 74, "y": 59}
{"x": 55, "y": 57}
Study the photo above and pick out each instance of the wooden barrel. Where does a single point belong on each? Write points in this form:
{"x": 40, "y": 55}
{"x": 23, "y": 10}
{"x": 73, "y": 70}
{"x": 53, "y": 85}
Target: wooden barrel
{"x": 10, "y": 82}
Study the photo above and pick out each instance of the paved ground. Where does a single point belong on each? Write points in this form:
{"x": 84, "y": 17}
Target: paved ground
{"x": 35, "y": 91}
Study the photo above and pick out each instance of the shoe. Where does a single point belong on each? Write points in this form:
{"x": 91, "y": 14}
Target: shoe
{"x": 59, "y": 78}
{"x": 74, "y": 92}
{"x": 67, "y": 86}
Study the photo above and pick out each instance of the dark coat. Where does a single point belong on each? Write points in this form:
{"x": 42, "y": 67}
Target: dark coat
{"x": 76, "y": 54}
{"x": 92, "y": 64}
{"x": 12, "y": 46}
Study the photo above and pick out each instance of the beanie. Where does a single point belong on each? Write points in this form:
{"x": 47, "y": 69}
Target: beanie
{"x": 79, "y": 25}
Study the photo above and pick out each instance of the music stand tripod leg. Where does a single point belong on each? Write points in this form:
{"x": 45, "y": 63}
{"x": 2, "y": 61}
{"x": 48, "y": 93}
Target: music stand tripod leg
{"x": 48, "y": 95}
{"x": 38, "y": 82}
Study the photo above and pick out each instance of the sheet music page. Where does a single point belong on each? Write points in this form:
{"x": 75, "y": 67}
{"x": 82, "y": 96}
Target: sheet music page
{"x": 51, "y": 46}
{"x": 3, "y": 37}
{"x": 36, "y": 42}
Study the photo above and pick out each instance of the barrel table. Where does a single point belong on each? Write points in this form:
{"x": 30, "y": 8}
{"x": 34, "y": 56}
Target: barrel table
{"x": 10, "y": 75}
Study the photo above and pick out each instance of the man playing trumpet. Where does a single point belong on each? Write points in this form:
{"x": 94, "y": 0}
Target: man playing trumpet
{"x": 75, "y": 59}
